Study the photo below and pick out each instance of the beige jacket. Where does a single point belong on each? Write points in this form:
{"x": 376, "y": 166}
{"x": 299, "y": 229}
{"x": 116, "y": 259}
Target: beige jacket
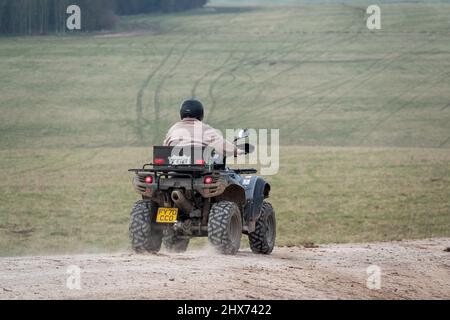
{"x": 190, "y": 131}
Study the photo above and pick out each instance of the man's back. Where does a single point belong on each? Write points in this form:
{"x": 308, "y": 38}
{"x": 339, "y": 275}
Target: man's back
{"x": 191, "y": 131}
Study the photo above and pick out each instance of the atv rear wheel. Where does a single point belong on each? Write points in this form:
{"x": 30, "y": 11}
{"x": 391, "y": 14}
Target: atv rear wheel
{"x": 262, "y": 240}
{"x": 225, "y": 227}
{"x": 173, "y": 242}
{"x": 143, "y": 235}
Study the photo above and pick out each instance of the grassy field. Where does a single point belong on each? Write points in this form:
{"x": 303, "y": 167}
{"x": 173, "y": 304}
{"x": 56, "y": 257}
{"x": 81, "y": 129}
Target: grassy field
{"x": 363, "y": 117}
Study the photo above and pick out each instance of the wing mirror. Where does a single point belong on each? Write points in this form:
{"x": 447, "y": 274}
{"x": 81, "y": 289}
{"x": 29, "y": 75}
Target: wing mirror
{"x": 242, "y": 134}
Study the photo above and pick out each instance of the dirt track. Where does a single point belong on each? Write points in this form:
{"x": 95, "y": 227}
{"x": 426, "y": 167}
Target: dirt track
{"x": 410, "y": 270}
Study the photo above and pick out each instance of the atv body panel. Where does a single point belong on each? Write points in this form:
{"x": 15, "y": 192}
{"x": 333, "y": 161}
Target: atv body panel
{"x": 256, "y": 190}
{"x": 199, "y": 187}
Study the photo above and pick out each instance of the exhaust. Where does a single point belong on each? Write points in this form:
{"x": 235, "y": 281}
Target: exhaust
{"x": 180, "y": 200}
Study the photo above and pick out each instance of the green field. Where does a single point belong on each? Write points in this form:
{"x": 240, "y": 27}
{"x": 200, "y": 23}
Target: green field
{"x": 364, "y": 119}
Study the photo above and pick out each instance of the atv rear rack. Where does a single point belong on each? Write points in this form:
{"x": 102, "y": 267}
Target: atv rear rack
{"x": 184, "y": 168}
{"x": 174, "y": 168}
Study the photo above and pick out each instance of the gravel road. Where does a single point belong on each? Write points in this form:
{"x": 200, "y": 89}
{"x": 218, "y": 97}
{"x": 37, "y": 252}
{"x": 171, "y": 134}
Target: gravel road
{"x": 409, "y": 270}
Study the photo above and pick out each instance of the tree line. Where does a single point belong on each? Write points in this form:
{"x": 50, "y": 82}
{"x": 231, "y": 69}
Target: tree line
{"x": 45, "y": 16}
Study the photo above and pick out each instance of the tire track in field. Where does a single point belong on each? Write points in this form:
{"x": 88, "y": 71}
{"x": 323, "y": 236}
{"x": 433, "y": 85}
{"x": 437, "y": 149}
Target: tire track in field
{"x": 219, "y": 76}
{"x": 362, "y": 78}
{"x": 43, "y": 166}
{"x": 443, "y": 143}
{"x": 402, "y": 106}
{"x": 261, "y": 87}
{"x": 139, "y": 106}
{"x": 447, "y": 140}
{"x": 215, "y": 97}
{"x": 287, "y": 70}
{"x": 269, "y": 55}
{"x": 216, "y": 69}
{"x": 240, "y": 64}
{"x": 208, "y": 73}
{"x": 418, "y": 46}
{"x": 216, "y": 80}
{"x": 159, "y": 87}
{"x": 71, "y": 164}
{"x": 271, "y": 103}
{"x": 232, "y": 72}
{"x": 74, "y": 164}
{"x": 445, "y": 107}
{"x": 157, "y": 92}
{"x": 424, "y": 69}
{"x": 320, "y": 85}
{"x": 289, "y": 97}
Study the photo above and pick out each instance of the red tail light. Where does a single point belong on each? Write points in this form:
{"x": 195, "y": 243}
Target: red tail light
{"x": 200, "y": 162}
{"x": 208, "y": 180}
{"x": 158, "y": 161}
{"x": 148, "y": 179}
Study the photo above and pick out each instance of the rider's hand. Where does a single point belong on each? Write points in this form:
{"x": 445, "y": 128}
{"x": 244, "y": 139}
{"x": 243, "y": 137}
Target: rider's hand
{"x": 238, "y": 152}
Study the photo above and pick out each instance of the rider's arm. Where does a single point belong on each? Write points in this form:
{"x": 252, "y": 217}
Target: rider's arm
{"x": 221, "y": 145}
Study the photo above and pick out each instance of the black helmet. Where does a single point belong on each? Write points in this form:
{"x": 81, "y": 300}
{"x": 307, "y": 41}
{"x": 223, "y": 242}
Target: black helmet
{"x": 191, "y": 109}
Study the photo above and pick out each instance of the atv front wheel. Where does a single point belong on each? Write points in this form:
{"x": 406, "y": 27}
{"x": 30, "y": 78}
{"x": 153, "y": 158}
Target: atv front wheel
{"x": 225, "y": 227}
{"x": 262, "y": 240}
{"x": 174, "y": 243}
{"x": 144, "y": 237}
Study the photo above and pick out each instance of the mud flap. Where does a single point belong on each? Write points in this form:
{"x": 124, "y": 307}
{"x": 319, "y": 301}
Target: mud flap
{"x": 255, "y": 189}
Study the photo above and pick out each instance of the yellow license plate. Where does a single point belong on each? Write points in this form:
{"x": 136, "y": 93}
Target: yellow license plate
{"x": 167, "y": 215}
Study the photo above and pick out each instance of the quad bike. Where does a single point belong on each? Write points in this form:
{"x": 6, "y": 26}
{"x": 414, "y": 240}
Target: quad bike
{"x": 191, "y": 193}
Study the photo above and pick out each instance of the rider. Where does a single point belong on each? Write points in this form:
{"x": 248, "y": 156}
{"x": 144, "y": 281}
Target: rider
{"x": 192, "y": 131}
